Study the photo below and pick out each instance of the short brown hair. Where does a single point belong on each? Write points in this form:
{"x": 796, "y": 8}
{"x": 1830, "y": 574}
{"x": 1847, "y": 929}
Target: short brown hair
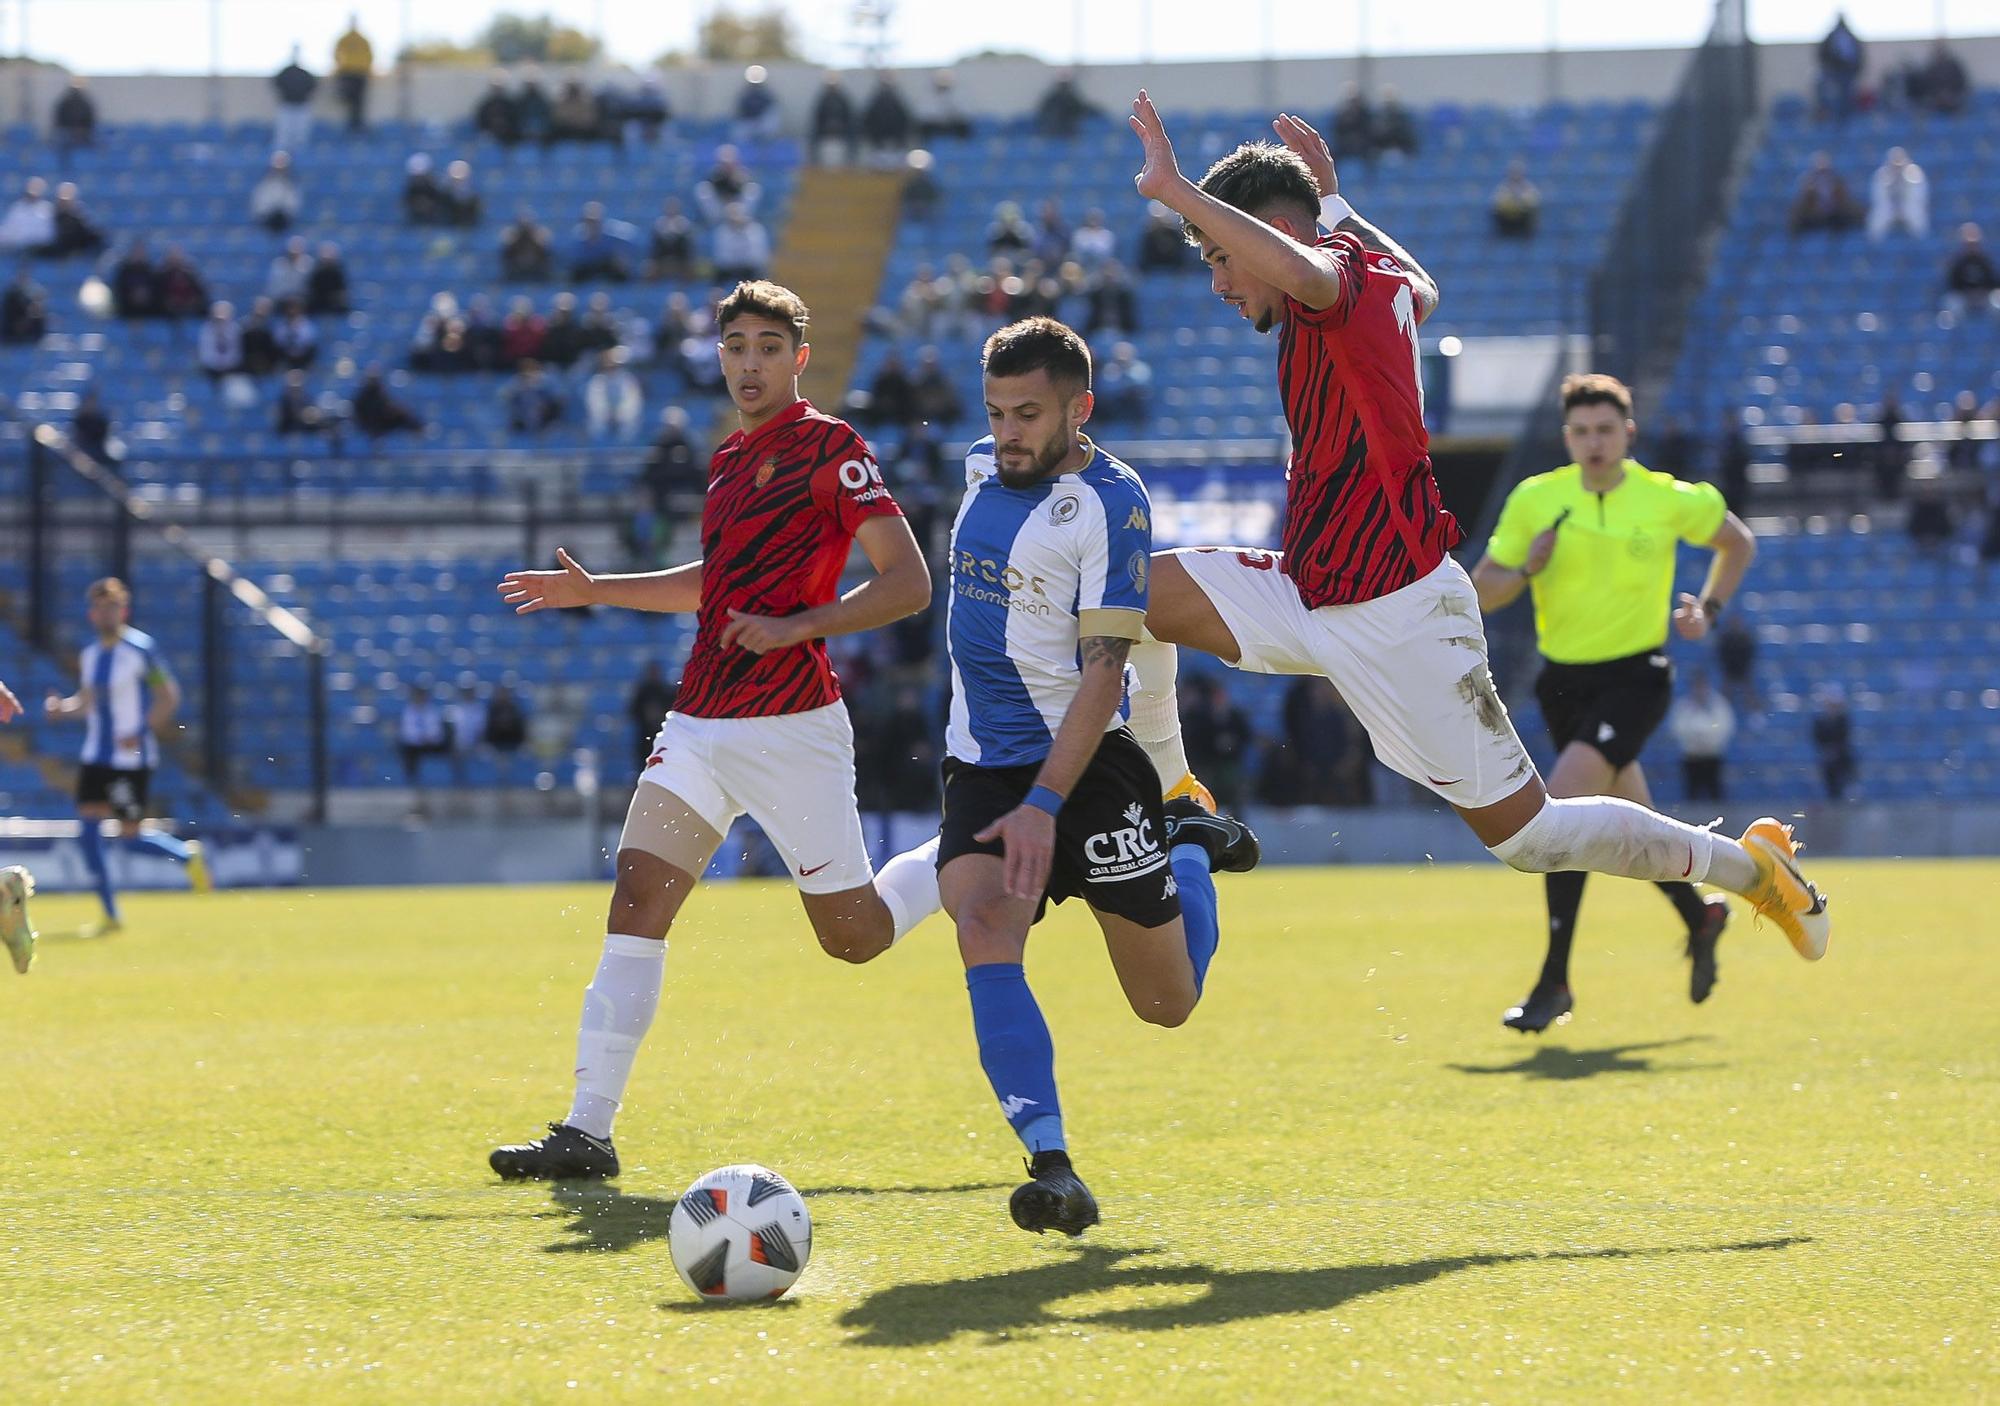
{"x": 1257, "y": 176}
{"x": 1039, "y": 344}
{"x": 108, "y": 588}
{"x": 762, "y": 298}
{"x": 1596, "y": 388}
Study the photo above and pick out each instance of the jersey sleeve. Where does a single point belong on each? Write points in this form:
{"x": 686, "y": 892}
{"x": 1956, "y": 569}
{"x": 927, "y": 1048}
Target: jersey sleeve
{"x": 1114, "y": 563}
{"x": 847, "y": 484}
{"x": 1699, "y": 511}
{"x": 1516, "y": 531}
{"x": 1349, "y": 263}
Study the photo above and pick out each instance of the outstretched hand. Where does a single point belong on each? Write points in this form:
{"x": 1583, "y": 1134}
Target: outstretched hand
{"x": 1300, "y": 137}
{"x": 1161, "y": 172}
{"x": 529, "y": 591}
{"x": 10, "y": 706}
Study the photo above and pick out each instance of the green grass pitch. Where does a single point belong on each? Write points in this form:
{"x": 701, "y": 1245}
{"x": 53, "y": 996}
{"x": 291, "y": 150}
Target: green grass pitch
{"x": 246, "y": 1157}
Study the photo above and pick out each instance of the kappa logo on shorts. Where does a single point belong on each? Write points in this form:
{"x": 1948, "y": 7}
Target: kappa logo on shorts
{"x": 1605, "y": 732}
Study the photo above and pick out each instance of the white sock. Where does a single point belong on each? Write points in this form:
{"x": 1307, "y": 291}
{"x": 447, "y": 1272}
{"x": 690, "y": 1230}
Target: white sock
{"x": 909, "y": 886}
{"x": 1611, "y": 836}
{"x": 618, "y": 1007}
{"x": 1156, "y": 708}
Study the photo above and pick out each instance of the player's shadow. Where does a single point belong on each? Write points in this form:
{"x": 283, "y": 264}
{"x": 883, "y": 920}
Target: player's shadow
{"x": 1559, "y": 1062}
{"x": 1002, "y": 1306}
{"x": 604, "y": 1218}
{"x": 809, "y": 1192}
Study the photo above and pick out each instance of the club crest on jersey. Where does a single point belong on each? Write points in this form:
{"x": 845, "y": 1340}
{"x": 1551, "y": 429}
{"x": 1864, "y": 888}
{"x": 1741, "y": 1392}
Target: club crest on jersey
{"x": 1137, "y": 568}
{"x": 766, "y": 469}
{"x": 1065, "y": 508}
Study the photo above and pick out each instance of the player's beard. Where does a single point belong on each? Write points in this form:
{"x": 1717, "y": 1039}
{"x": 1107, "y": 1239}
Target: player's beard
{"x": 1044, "y": 460}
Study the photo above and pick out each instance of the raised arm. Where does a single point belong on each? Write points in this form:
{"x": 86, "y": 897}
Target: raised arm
{"x": 1335, "y": 213}
{"x": 676, "y": 590}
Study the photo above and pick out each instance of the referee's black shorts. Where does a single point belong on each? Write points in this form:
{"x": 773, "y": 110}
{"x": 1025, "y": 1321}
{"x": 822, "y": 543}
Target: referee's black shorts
{"x": 1111, "y": 848}
{"x": 1613, "y": 706}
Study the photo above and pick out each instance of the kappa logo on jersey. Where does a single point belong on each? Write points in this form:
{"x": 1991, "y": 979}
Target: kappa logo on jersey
{"x": 863, "y": 477}
{"x": 1065, "y": 508}
{"x": 1014, "y": 1104}
{"x": 1126, "y": 852}
{"x": 1137, "y": 519}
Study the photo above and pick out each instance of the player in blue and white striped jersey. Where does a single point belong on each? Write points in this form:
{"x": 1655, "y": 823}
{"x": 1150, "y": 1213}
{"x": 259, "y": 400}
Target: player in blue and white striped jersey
{"x": 1047, "y": 795}
{"x": 127, "y": 695}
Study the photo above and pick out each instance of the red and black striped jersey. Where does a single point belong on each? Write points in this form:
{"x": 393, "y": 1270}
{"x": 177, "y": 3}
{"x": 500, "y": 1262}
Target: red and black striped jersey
{"x": 783, "y": 505}
{"x": 1362, "y": 512}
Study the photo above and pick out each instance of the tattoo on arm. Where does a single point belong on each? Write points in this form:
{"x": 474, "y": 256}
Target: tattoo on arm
{"x": 1373, "y": 238}
{"x": 1103, "y": 649}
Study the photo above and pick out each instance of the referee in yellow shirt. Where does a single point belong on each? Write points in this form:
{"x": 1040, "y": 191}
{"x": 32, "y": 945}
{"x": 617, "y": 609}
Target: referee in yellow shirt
{"x": 1594, "y": 542}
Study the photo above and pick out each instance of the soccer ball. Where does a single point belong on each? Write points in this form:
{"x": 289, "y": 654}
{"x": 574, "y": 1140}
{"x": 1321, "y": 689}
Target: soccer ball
{"x": 740, "y": 1232}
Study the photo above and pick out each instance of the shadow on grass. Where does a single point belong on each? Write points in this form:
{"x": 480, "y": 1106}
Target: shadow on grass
{"x": 811, "y": 1191}
{"x": 1557, "y": 1062}
{"x": 605, "y": 1218}
{"x": 1001, "y": 1306}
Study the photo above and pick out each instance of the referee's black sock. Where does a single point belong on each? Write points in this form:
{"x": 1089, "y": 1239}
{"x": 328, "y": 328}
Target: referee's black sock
{"x": 1687, "y": 901}
{"x": 1565, "y": 894}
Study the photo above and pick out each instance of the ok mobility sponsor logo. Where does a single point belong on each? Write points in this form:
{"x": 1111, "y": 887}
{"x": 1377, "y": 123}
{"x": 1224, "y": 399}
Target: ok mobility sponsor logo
{"x": 993, "y": 582}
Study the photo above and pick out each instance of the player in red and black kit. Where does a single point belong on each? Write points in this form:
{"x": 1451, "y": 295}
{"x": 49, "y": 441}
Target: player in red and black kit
{"x": 758, "y": 726}
{"x": 1364, "y": 592}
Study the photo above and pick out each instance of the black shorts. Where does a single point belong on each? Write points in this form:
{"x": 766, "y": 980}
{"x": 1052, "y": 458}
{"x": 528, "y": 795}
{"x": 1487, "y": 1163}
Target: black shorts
{"x": 1110, "y": 837}
{"x": 1613, "y": 706}
{"x": 121, "y": 789}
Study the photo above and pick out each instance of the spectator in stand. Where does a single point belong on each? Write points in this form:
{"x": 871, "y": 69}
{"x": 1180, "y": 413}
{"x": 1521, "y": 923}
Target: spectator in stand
{"x": 1736, "y": 656}
{"x": 75, "y": 120}
{"x": 1840, "y": 59}
{"x": 917, "y": 309}
{"x": 1063, "y": 110}
{"x": 1930, "y": 522}
{"x": 673, "y": 469}
{"x": 941, "y": 115}
{"x": 1892, "y": 454}
{"x": 90, "y": 428}
{"x": 921, "y": 191}
{"x": 297, "y": 413}
{"x": 75, "y": 233}
{"x": 1218, "y": 738}
{"x": 742, "y": 247}
{"x": 462, "y": 206}
{"x": 521, "y": 334}
{"x": 1833, "y": 740}
{"x": 1010, "y": 233}
{"x": 652, "y": 699}
{"x": 527, "y": 251}
{"x": 29, "y": 225}
{"x": 1971, "y": 278}
{"x": 1051, "y": 233}
{"x": 1162, "y": 246}
{"x": 182, "y": 292}
{"x": 24, "y": 311}
{"x": 1824, "y": 202}
{"x": 533, "y": 111}
{"x": 1941, "y": 84}
{"x": 672, "y": 254}
{"x": 1093, "y": 242}
{"x": 1899, "y": 197}
{"x": 260, "y": 346}
{"x": 937, "y": 399}
{"x": 295, "y": 336}
{"x": 218, "y": 346}
{"x": 353, "y": 66}
{"x": 612, "y": 399}
{"x": 562, "y": 336}
{"x": 1517, "y": 205}
{"x": 1732, "y": 461}
{"x": 506, "y": 726}
{"x": 644, "y": 112}
{"x": 532, "y": 403}
{"x": 892, "y": 398}
{"x": 275, "y": 199}
{"x": 421, "y": 732}
{"x": 728, "y": 183}
{"x": 1322, "y": 758}
{"x": 886, "y": 123}
{"x": 1702, "y": 723}
{"x": 576, "y": 116}
{"x": 482, "y": 334}
{"x": 294, "y": 85}
{"x": 423, "y": 196}
{"x": 1125, "y": 385}
{"x": 833, "y": 128}
{"x": 327, "y": 289}
{"x": 1963, "y": 456}
{"x": 1395, "y": 127}
{"x": 377, "y": 412}
{"x": 290, "y": 271}
{"x": 602, "y": 248}
{"x": 757, "y": 115}
{"x": 599, "y": 326}
{"x": 1353, "y": 127}
{"x": 498, "y": 115}
{"x": 1114, "y": 302}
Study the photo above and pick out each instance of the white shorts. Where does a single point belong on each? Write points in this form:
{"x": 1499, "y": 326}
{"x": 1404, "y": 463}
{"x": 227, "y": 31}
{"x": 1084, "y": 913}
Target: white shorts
{"x": 793, "y": 774}
{"x": 1411, "y": 665}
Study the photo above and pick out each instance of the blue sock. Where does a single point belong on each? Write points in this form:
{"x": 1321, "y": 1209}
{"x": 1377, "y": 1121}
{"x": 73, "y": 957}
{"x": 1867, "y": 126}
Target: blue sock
{"x": 93, "y": 858}
{"x": 1016, "y": 1052}
{"x": 160, "y": 843}
{"x": 1197, "y": 886}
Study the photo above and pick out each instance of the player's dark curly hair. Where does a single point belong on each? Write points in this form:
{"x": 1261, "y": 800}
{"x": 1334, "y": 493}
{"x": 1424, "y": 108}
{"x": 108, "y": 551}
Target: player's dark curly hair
{"x": 761, "y": 298}
{"x": 1261, "y": 178}
{"x": 1596, "y": 388}
{"x": 1039, "y": 344}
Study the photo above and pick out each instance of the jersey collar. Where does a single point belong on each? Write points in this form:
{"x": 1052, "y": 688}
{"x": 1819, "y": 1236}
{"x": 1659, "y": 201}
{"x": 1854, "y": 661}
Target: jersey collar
{"x": 1626, "y": 468}
{"x": 791, "y": 414}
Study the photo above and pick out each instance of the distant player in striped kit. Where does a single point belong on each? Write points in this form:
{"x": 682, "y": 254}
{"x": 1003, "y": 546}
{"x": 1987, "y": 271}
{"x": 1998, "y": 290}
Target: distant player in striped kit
{"x": 17, "y": 885}
{"x": 127, "y": 694}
